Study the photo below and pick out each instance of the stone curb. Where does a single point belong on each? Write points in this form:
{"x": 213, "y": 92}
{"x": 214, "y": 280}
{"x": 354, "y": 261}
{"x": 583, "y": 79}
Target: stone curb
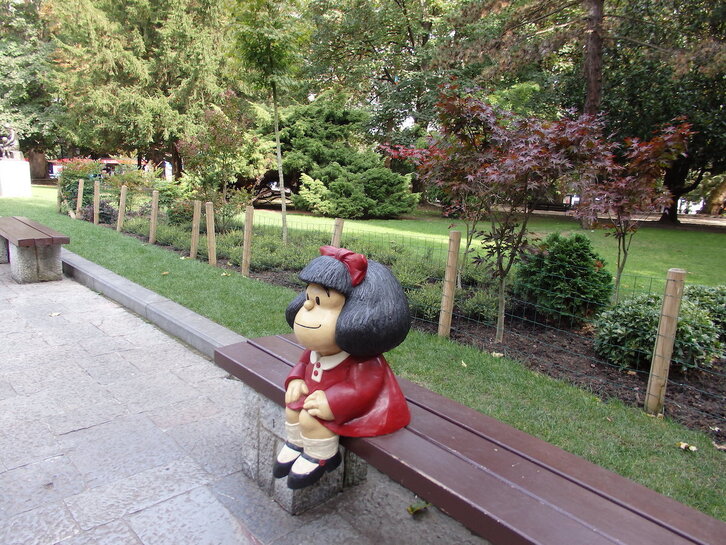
{"x": 178, "y": 321}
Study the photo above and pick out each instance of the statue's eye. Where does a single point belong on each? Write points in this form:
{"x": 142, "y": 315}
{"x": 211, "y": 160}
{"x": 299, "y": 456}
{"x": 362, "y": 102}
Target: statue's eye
{"x": 317, "y": 300}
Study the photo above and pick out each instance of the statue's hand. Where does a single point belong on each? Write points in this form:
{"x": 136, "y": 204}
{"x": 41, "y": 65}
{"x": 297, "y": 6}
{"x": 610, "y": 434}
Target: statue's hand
{"x": 316, "y": 404}
{"x": 295, "y": 389}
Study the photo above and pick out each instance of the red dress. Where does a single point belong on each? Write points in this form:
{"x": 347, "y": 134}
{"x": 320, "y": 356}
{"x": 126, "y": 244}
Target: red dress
{"x": 363, "y": 395}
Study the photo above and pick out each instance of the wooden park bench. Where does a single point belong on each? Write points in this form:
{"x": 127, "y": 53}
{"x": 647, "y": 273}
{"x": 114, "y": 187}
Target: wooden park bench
{"x": 32, "y": 249}
{"x": 502, "y": 484}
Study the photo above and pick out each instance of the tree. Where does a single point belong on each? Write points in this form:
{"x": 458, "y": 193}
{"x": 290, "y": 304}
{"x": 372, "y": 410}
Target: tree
{"x": 135, "y": 77}
{"x": 380, "y": 51}
{"x": 26, "y": 101}
{"x": 269, "y": 35}
{"x": 627, "y": 190}
{"x": 503, "y": 163}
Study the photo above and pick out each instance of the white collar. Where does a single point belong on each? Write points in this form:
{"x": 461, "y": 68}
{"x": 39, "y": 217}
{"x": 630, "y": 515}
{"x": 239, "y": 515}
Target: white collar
{"x": 328, "y": 362}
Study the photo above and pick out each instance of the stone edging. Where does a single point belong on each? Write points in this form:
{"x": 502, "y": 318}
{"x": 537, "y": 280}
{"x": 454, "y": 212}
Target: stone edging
{"x": 176, "y": 320}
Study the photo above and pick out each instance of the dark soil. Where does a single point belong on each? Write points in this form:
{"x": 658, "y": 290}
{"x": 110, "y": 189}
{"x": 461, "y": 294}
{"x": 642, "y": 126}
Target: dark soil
{"x": 695, "y": 399}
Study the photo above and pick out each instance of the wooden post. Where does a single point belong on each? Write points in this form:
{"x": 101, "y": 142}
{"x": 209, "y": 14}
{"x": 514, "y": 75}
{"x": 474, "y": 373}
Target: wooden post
{"x": 96, "y": 200}
{"x": 79, "y": 198}
{"x": 154, "y": 216}
{"x": 660, "y": 364}
{"x": 195, "y": 229}
{"x": 211, "y": 239}
{"x": 337, "y": 232}
{"x": 447, "y": 299}
{"x": 247, "y": 243}
{"x": 121, "y": 208}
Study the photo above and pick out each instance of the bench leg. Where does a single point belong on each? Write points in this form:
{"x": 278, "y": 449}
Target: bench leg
{"x": 4, "y": 257}
{"x": 35, "y": 263}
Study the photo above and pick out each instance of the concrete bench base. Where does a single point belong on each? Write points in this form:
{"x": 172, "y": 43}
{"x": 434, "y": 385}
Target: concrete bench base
{"x": 32, "y": 263}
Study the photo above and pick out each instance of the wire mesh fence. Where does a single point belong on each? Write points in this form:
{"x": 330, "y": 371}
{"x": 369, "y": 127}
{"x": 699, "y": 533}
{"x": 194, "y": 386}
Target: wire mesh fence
{"x": 557, "y": 325}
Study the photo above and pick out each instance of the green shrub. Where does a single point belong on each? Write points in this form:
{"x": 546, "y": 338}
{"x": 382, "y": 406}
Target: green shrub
{"x": 73, "y": 170}
{"x": 712, "y": 299}
{"x": 478, "y": 304}
{"x": 389, "y": 192}
{"x": 564, "y": 278}
{"x": 425, "y": 302}
{"x": 625, "y": 335}
{"x": 180, "y": 212}
{"x": 311, "y": 195}
{"x": 107, "y": 212}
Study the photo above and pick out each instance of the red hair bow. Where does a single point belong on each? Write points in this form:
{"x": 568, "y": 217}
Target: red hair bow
{"x": 357, "y": 264}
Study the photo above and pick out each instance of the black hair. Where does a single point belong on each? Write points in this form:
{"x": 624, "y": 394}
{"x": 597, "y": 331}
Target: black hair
{"x": 375, "y": 317}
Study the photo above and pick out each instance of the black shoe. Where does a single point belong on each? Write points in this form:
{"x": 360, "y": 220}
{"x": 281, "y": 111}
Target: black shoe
{"x": 297, "y": 480}
{"x": 280, "y": 469}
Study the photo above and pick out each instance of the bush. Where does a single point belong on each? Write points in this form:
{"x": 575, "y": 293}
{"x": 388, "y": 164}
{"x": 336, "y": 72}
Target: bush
{"x": 478, "y": 304}
{"x": 712, "y": 299}
{"x": 425, "y": 302}
{"x": 180, "y": 212}
{"x": 107, "y": 212}
{"x": 73, "y": 170}
{"x": 564, "y": 278}
{"x": 625, "y": 335}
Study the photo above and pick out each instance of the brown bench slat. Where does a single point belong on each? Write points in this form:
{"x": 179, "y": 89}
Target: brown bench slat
{"x": 21, "y": 234}
{"x": 632, "y": 496}
{"x": 58, "y": 238}
{"x": 536, "y": 477}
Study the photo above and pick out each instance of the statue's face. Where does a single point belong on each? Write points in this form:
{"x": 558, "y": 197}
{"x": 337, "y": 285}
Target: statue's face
{"x": 316, "y": 320}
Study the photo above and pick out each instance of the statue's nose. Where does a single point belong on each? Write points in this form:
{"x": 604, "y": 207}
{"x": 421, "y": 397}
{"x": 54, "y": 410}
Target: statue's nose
{"x": 308, "y": 304}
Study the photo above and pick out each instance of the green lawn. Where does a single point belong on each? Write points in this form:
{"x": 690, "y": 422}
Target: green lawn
{"x": 620, "y": 438}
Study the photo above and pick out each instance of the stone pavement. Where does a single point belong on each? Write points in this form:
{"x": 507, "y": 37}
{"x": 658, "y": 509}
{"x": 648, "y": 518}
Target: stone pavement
{"x": 114, "y": 433}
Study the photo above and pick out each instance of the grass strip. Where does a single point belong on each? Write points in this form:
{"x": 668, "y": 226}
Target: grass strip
{"x": 620, "y": 438}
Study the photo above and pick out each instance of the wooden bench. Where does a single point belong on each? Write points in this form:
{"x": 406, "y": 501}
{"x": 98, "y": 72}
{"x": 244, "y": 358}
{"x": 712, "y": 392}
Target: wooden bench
{"x": 32, "y": 249}
{"x": 504, "y": 485}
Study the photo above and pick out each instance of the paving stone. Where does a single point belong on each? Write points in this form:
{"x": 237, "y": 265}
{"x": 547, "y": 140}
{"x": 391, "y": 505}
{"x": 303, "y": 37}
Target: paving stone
{"x": 196, "y": 518}
{"x": 215, "y": 443}
{"x": 114, "y": 533}
{"x": 104, "y": 345}
{"x": 184, "y": 412}
{"x": 257, "y": 511}
{"x": 109, "y": 368}
{"x": 163, "y": 356}
{"x": 6, "y": 390}
{"x": 46, "y": 525}
{"x": 330, "y": 529}
{"x": 200, "y": 371}
{"x": 26, "y": 441}
{"x": 86, "y": 417}
{"x": 107, "y": 503}
{"x": 58, "y": 375}
{"x": 30, "y": 486}
{"x": 147, "y": 392}
{"x": 118, "y": 449}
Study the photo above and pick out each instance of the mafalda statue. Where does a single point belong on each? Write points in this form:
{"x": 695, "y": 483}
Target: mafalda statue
{"x": 351, "y": 312}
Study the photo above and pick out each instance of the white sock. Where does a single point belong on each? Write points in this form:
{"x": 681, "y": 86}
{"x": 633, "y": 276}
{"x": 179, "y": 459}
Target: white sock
{"x": 322, "y": 449}
{"x": 294, "y": 436}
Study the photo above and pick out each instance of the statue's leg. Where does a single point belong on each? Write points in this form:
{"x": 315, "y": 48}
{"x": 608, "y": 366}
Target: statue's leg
{"x": 293, "y": 446}
{"x": 320, "y": 452}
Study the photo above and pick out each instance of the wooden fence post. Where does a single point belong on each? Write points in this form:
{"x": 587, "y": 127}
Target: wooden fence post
{"x": 154, "y": 216}
{"x": 79, "y": 198}
{"x": 447, "y": 299}
{"x": 247, "y": 243}
{"x": 121, "y": 208}
{"x": 337, "y": 232}
{"x": 96, "y": 200}
{"x": 660, "y": 364}
{"x": 211, "y": 238}
{"x": 195, "y": 229}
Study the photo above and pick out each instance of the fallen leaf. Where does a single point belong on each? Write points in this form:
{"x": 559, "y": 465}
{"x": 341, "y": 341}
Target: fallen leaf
{"x": 54, "y": 314}
{"x": 184, "y": 257}
{"x": 225, "y": 274}
{"x": 164, "y": 273}
{"x": 714, "y": 428}
{"x": 685, "y": 446}
{"x": 497, "y": 354}
{"x": 417, "y": 507}
{"x": 631, "y": 373}
{"x": 463, "y": 363}
{"x": 718, "y": 447}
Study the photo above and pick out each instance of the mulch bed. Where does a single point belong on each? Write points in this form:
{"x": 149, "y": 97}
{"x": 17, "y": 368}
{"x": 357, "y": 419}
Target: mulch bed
{"x": 695, "y": 399}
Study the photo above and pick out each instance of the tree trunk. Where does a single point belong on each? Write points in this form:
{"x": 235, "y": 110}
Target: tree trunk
{"x": 279, "y": 164}
{"x": 500, "y": 312}
{"x": 593, "y": 56}
{"x": 715, "y": 202}
{"x": 675, "y": 180}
